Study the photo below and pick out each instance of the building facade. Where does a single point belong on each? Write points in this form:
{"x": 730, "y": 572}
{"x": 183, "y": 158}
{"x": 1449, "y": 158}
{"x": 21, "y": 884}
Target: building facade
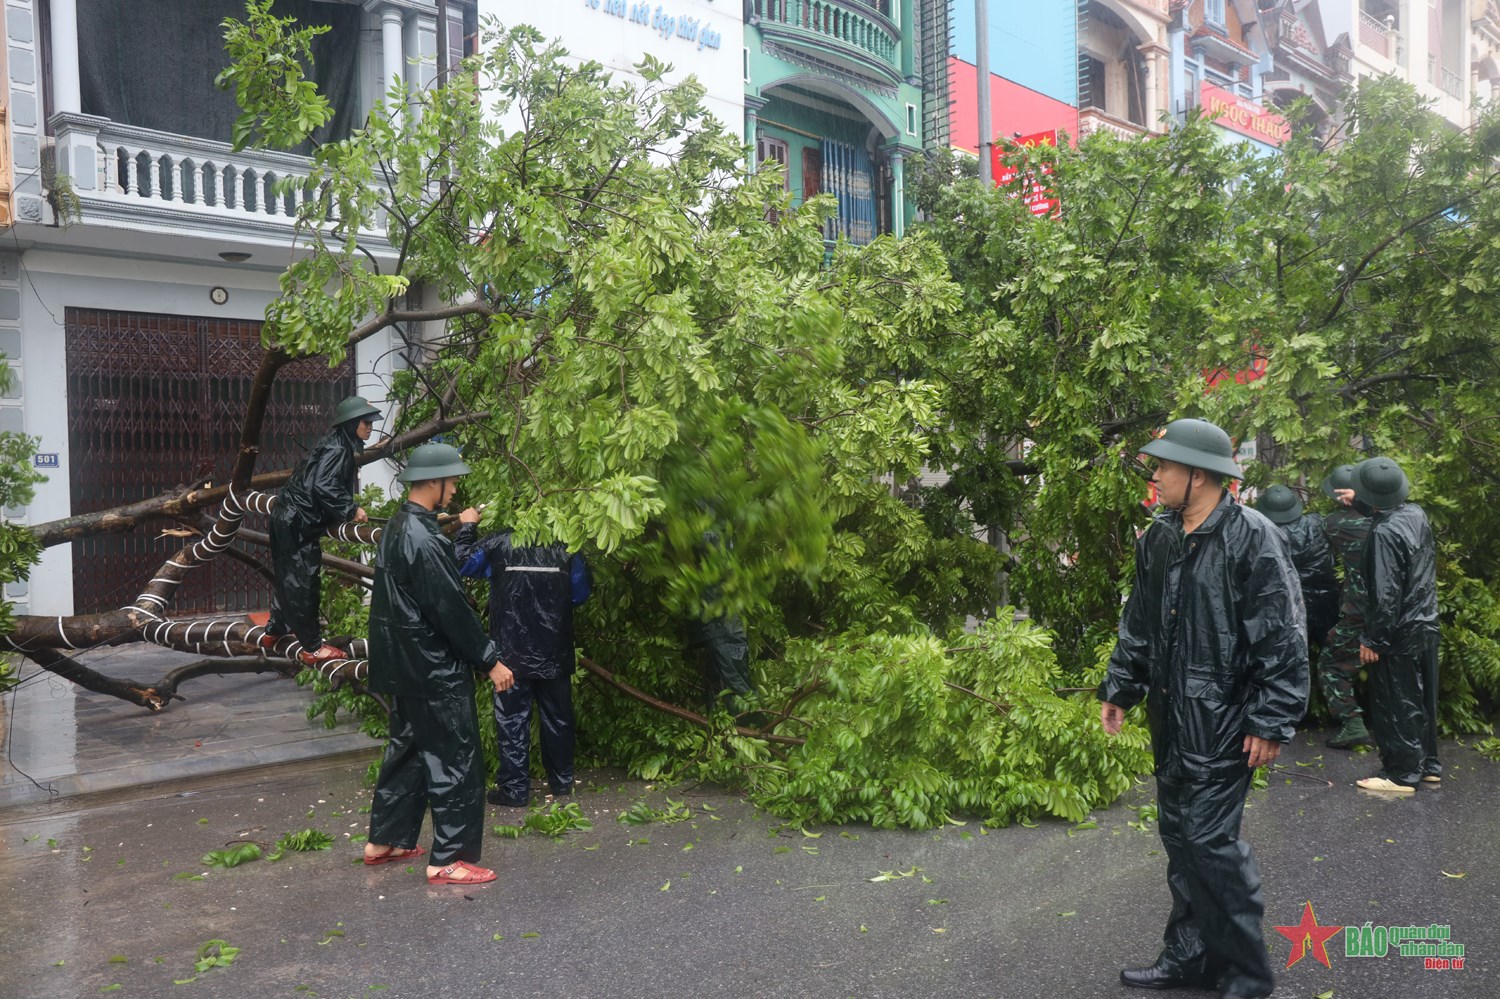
{"x": 1219, "y": 55}
{"x": 1123, "y": 67}
{"x": 1425, "y": 42}
{"x": 142, "y": 253}
{"x": 701, "y": 38}
{"x": 1077, "y": 67}
{"x": 841, "y": 95}
{"x": 1304, "y": 61}
{"x": 1033, "y": 51}
{"x": 1135, "y": 67}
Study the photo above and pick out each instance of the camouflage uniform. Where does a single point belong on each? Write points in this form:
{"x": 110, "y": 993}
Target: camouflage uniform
{"x": 1348, "y": 534}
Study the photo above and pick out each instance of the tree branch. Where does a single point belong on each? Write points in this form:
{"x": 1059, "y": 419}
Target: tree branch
{"x": 675, "y": 711}
{"x": 1354, "y": 388}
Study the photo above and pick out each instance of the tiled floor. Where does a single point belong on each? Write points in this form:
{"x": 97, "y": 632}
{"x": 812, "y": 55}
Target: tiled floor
{"x": 73, "y": 741}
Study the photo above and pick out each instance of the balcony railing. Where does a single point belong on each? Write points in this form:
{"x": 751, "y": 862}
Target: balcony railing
{"x": 196, "y": 174}
{"x": 141, "y": 174}
{"x": 1094, "y": 120}
{"x": 837, "y": 24}
{"x": 1453, "y": 84}
{"x": 1373, "y": 34}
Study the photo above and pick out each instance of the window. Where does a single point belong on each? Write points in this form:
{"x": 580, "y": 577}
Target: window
{"x": 1090, "y": 82}
{"x": 774, "y": 151}
{"x": 911, "y": 119}
{"x": 747, "y": 63}
{"x": 1213, "y": 13}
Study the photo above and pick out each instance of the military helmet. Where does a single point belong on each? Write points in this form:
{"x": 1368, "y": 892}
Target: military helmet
{"x": 1341, "y": 477}
{"x": 1197, "y": 444}
{"x": 433, "y": 461}
{"x": 354, "y": 408}
{"x": 1280, "y": 504}
{"x": 1380, "y": 483}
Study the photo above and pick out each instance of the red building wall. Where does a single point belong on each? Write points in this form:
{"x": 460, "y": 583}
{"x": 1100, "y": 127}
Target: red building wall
{"x": 1013, "y": 108}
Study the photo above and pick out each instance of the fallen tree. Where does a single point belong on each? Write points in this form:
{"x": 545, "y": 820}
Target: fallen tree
{"x": 647, "y": 365}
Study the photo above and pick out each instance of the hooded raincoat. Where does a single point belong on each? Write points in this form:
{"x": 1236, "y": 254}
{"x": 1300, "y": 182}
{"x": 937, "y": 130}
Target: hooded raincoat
{"x": 531, "y": 620}
{"x": 1213, "y": 637}
{"x": 1401, "y": 624}
{"x": 426, "y": 645}
{"x": 319, "y": 495}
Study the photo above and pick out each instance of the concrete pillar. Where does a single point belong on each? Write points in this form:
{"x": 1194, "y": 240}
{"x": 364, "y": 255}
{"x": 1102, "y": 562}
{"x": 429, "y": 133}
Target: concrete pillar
{"x": 1153, "y": 54}
{"x": 752, "y": 124}
{"x": 898, "y": 193}
{"x": 66, "y": 92}
{"x": 392, "y": 48}
{"x": 421, "y": 59}
{"x": 77, "y": 148}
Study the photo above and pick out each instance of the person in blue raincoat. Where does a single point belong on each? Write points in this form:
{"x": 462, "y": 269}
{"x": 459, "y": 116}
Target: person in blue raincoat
{"x": 1214, "y": 639}
{"x": 533, "y": 589}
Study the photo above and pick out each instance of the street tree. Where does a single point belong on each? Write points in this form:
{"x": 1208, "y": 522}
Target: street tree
{"x": 1331, "y": 301}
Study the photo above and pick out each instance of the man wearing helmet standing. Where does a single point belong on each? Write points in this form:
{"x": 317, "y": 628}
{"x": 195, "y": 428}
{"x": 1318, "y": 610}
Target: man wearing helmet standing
{"x": 319, "y": 495}
{"x": 1348, "y": 533}
{"x": 1399, "y": 643}
{"x": 426, "y": 644}
{"x": 1214, "y": 638}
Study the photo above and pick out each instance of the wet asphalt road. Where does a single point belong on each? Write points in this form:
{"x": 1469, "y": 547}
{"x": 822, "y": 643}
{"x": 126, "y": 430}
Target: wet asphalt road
{"x": 109, "y": 890}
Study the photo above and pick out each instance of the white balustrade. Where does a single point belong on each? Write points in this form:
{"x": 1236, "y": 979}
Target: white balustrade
{"x": 196, "y": 175}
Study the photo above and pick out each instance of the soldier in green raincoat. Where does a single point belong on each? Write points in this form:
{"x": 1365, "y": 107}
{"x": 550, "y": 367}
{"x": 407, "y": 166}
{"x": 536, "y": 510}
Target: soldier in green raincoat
{"x": 1310, "y": 556}
{"x": 1348, "y": 533}
{"x": 319, "y": 495}
{"x": 1399, "y": 642}
{"x": 1214, "y": 639}
{"x": 426, "y": 647}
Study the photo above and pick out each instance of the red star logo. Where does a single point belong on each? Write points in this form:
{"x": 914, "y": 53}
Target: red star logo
{"x": 1308, "y": 935}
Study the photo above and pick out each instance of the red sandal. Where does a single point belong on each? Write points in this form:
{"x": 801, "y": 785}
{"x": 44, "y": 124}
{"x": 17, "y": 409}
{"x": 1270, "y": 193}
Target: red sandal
{"x": 473, "y": 875}
{"x": 393, "y": 854}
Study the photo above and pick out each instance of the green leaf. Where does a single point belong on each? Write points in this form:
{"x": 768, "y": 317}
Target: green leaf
{"x": 241, "y": 853}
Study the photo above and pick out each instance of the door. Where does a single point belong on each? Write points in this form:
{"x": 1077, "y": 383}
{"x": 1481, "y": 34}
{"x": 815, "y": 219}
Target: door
{"x": 155, "y": 402}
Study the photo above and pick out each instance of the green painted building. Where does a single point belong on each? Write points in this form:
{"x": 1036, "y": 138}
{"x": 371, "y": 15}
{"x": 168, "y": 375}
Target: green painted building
{"x": 843, "y": 94}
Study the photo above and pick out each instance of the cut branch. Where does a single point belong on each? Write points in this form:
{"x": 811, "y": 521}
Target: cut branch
{"x": 1004, "y": 708}
{"x": 677, "y": 712}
